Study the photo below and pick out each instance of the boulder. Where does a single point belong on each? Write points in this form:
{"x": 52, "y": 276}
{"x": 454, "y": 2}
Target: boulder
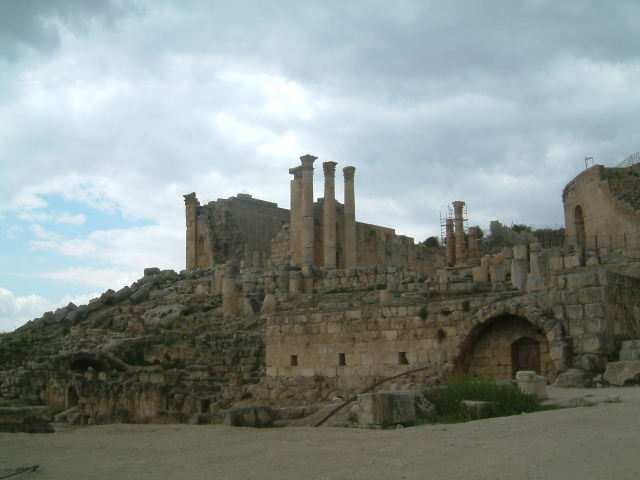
{"x": 151, "y": 271}
{"x": 572, "y": 378}
{"x": 622, "y": 373}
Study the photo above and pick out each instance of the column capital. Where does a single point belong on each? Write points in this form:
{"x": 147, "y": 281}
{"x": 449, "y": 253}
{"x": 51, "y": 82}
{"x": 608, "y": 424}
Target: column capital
{"x": 307, "y": 161}
{"x": 349, "y": 172}
{"x": 190, "y": 199}
{"x": 329, "y": 168}
{"x": 296, "y": 171}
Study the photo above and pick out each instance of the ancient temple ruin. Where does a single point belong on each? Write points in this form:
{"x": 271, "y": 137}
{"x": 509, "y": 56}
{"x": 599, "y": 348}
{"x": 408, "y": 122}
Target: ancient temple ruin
{"x": 295, "y": 306}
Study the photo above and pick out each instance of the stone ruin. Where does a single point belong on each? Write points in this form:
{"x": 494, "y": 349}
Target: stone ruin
{"x": 280, "y": 310}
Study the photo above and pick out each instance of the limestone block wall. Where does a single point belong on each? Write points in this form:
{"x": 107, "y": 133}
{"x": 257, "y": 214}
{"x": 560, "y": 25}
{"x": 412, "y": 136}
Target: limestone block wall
{"x": 492, "y": 356}
{"x": 599, "y": 205}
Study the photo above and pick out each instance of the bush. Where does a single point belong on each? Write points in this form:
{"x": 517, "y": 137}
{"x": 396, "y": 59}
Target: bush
{"x": 505, "y": 399}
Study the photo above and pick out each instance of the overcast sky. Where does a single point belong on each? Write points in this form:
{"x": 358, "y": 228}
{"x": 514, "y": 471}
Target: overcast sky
{"x": 111, "y": 111}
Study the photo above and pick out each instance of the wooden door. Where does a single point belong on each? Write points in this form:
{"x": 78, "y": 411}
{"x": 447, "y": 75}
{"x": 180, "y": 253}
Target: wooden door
{"x": 525, "y": 355}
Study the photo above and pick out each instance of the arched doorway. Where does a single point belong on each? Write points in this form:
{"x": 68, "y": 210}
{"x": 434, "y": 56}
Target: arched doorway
{"x": 578, "y": 224}
{"x": 72, "y": 397}
{"x": 498, "y": 347}
{"x": 525, "y": 355}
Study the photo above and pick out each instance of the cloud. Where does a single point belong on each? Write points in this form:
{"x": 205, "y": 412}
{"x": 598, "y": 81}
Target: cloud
{"x": 54, "y": 217}
{"x": 15, "y": 311}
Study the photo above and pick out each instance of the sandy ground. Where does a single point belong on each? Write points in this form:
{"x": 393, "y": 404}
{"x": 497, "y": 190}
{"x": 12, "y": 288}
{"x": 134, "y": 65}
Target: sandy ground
{"x": 597, "y": 442}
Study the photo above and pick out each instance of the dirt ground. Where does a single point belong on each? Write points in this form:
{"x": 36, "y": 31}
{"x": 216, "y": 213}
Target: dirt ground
{"x": 591, "y": 442}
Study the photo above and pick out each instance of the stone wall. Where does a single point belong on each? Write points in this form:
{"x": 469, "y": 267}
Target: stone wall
{"x": 602, "y": 208}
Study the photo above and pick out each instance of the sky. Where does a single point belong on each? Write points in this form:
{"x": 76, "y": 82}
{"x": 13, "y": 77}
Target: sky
{"x": 110, "y": 111}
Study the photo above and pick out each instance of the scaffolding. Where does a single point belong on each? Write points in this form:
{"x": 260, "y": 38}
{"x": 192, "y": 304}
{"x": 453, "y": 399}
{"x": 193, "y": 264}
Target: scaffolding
{"x": 629, "y": 161}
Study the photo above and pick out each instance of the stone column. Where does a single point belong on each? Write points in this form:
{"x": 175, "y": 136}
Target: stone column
{"x": 329, "y": 215}
{"x": 307, "y": 209}
{"x": 451, "y": 243}
{"x": 473, "y": 242}
{"x": 229, "y": 296}
{"x": 461, "y": 253}
{"x": 191, "y": 205}
{"x": 519, "y": 267}
{"x": 349, "y": 244}
{"x": 295, "y": 221}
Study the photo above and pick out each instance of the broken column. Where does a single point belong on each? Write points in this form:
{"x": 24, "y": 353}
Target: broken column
{"x": 229, "y": 296}
{"x": 191, "y": 204}
{"x": 461, "y": 253}
{"x": 349, "y": 244}
{"x": 295, "y": 222}
{"x": 307, "y": 209}
{"x": 519, "y": 267}
{"x": 451, "y": 243}
{"x": 329, "y": 215}
{"x": 473, "y": 242}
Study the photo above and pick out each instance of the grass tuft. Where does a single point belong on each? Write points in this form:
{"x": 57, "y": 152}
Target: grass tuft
{"x": 505, "y": 399}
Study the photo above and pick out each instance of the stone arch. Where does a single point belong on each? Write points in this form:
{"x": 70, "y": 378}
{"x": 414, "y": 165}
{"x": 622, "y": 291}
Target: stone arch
{"x": 578, "y": 225}
{"x": 488, "y": 347}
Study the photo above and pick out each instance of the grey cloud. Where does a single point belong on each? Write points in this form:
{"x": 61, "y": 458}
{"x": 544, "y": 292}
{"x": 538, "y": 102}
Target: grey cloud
{"x": 31, "y": 23}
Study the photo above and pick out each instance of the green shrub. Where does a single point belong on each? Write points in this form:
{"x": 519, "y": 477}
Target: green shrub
{"x": 505, "y": 399}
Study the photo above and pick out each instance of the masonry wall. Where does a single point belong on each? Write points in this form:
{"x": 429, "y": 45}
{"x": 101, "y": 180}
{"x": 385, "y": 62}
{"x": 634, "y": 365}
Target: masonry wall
{"x": 608, "y": 198}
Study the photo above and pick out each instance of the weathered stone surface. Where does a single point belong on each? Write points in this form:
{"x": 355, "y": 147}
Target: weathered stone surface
{"x": 250, "y": 416}
{"x": 532, "y": 384}
{"x": 572, "y": 378}
{"x": 386, "y": 408}
{"x": 477, "y": 409}
{"x": 622, "y": 373}
{"x": 151, "y": 271}
{"x": 630, "y": 350}
{"x": 141, "y": 294}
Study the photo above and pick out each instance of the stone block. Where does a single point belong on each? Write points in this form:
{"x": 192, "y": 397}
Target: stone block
{"x": 477, "y": 409}
{"x": 572, "y": 378}
{"x": 630, "y": 350}
{"x": 622, "y": 373}
{"x": 386, "y": 408}
{"x": 250, "y": 416}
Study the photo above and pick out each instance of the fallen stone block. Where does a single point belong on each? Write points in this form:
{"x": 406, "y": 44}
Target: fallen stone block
{"x": 477, "y": 409}
{"x": 250, "y": 416}
{"x": 622, "y": 373}
{"x": 386, "y": 408}
{"x": 630, "y": 351}
{"x": 572, "y": 378}
{"x": 532, "y": 384}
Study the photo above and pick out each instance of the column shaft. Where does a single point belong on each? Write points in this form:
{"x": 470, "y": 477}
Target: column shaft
{"x": 349, "y": 244}
{"x": 295, "y": 222}
{"x": 329, "y": 215}
{"x": 461, "y": 251}
{"x": 307, "y": 236}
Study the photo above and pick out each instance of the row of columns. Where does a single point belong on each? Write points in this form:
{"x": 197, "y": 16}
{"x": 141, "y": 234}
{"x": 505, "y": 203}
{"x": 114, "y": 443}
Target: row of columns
{"x": 302, "y": 236}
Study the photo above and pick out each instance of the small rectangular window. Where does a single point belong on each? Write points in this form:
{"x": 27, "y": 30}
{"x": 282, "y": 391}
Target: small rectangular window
{"x": 402, "y": 358}
{"x": 342, "y": 360}
{"x": 294, "y": 360}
